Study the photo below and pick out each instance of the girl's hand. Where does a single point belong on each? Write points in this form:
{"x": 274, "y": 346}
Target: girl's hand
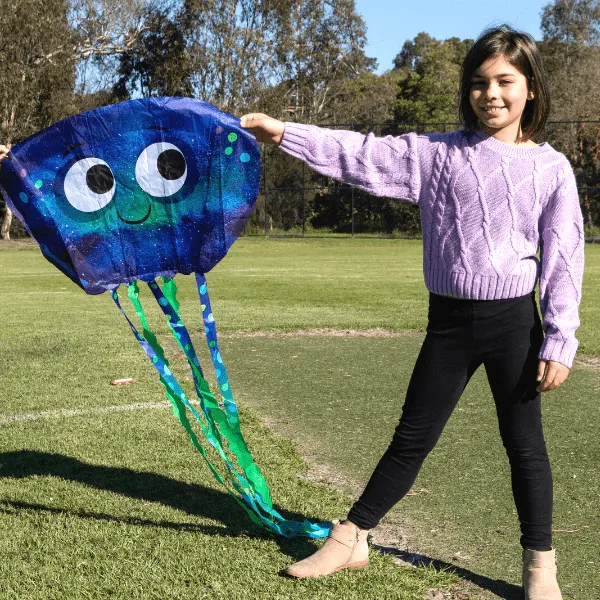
{"x": 551, "y": 374}
{"x": 4, "y": 150}
{"x": 265, "y": 128}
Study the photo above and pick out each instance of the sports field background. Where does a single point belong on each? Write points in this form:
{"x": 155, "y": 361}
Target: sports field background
{"x": 116, "y": 503}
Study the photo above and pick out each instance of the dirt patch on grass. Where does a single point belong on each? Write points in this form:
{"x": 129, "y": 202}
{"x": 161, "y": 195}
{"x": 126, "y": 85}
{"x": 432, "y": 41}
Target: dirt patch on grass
{"x": 18, "y": 243}
{"x": 378, "y": 332}
{"x": 591, "y": 363}
{"x": 391, "y": 537}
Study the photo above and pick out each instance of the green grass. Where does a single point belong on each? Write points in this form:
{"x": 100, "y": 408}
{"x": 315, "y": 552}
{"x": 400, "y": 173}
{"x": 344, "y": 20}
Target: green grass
{"x": 119, "y": 505}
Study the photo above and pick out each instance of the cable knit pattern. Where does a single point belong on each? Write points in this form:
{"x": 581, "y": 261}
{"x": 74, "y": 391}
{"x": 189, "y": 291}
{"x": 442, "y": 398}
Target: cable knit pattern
{"x": 486, "y": 209}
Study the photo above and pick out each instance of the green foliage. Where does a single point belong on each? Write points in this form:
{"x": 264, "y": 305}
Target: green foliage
{"x": 429, "y": 90}
{"x": 158, "y": 65}
{"x": 37, "y": 70}
{"x": 366, "y": 100}
{"x": 333, "y": 210}
{"x": 572, "y": 21}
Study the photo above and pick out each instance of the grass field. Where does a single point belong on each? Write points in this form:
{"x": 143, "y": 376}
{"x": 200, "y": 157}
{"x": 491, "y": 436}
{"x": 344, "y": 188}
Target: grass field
{"x": 115, "y": 503}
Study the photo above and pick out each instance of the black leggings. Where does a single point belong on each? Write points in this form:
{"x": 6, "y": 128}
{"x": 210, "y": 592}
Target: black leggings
{"x": 504, "y": 335}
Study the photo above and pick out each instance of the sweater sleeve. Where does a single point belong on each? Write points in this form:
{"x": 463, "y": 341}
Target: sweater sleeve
{"x": 562, "y": 258}
{"x": 386, "y": 166}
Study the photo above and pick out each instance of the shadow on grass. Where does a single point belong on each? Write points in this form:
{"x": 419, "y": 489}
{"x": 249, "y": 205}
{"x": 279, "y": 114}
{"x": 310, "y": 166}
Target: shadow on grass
{"x": 190, "y": 498}
{"x": 503, "y": 589}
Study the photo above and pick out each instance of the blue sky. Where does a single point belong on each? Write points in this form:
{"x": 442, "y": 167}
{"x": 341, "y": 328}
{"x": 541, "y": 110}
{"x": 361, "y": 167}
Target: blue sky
{"x": 391, "y": 22}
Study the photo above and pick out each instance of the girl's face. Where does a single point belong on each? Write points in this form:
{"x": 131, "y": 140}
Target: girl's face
{"x": 498, "y": 95}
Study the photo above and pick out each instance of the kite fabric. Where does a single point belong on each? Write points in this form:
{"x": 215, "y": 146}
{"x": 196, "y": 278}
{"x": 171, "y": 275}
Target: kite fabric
{"x": 132, "y": 194}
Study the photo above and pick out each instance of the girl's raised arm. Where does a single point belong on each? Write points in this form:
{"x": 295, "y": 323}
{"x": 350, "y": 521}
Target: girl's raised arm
{"x": 386, "y": 166}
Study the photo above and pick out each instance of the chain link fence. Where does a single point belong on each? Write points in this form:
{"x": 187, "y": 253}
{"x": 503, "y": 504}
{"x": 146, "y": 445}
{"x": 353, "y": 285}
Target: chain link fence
{"x": 295, "y": 201}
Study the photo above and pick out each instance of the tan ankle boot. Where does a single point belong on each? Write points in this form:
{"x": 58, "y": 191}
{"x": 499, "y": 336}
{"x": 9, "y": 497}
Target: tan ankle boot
{"x": 539, "y": 575}
{"x": 345, "y": 548}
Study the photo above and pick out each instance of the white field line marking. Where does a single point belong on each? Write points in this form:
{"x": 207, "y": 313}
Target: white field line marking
{"x": 76, "y": 412}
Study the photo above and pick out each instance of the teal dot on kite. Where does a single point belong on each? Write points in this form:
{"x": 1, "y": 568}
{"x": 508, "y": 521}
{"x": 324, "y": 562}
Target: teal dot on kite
{"x": 206, "y": 329}
{"x": 203, "y": 307}
{"x": 203, "y": 289}
{"x": 38, "y": 184}
{"x": 167, "y": 371}
{"x": 219, "y": 359}
{"x": 163, "y": 301}
{"x": 232, "y": 137}
{"x": 212, "y": 344}
{"x": 228, "y": 150}
{"x": 24, "y": 197}
{"x": 245, "y": 157}
{"x": 155, "y": 359}
{"x": 218, "y": 373}
{"x": 225, "y": 387}
{"x": 231, "y": 407}
{"x": 196, "y": 361}
{"x": 187, "y": 347}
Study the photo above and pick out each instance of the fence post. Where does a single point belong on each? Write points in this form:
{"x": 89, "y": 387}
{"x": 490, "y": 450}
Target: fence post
{"x": 303, "y": 199}
{"x": 352, "y": 209}
{"x": 265, "y": 188}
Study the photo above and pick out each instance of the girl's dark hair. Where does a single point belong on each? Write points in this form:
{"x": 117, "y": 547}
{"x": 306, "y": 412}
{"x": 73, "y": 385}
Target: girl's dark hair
{"x": 520, "y": 50}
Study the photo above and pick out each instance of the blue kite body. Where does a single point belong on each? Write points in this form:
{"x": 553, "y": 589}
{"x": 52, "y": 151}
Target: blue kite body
{"x": 150, "y": 188}
{"x": 147, "y": 187}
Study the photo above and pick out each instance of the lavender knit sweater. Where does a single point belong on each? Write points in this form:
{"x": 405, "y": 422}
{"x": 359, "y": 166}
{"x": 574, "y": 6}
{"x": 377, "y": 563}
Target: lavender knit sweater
{"x": 486, "y": 209}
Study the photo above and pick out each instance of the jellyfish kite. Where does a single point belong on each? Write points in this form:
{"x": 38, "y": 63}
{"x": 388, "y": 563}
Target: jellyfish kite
{"x": 134, "y": 193}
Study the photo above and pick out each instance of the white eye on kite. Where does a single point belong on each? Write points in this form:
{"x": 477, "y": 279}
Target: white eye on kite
{"x": 89, "y": 184}
{"x": 161, "y": 169}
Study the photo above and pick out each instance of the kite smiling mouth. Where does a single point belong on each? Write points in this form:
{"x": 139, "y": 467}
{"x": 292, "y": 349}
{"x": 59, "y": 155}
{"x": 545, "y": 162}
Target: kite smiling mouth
{"x": 136, "y": 221}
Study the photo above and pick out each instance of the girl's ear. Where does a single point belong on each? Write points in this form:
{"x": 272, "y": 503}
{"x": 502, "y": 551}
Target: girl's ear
{"x": 530, "y": 95}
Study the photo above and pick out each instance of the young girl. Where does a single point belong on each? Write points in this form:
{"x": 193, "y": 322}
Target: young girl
{"x": 489, "y": 199}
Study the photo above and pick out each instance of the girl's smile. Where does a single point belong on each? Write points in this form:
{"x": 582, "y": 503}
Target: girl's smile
{"x": 499, "y": 92}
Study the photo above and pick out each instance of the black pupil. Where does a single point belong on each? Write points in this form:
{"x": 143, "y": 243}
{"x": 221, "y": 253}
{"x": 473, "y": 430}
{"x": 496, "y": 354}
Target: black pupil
{"x": 99, "y": 179}
{"x": 171, "y": 164}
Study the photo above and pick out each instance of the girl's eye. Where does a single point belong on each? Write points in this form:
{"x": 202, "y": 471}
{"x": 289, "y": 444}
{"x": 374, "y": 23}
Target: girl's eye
{"x": 505, "y": 82}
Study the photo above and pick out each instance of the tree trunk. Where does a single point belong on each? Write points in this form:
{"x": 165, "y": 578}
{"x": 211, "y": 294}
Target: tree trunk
{"x": 6, "y": 223}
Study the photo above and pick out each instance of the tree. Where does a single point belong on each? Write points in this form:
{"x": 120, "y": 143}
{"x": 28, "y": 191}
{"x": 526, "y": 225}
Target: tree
{"x": 36, "y": 72}
{"x": 571, "y": 53}
{"x": 157, "y": 64}
{"x": 429, "y": 90}
{"x": 242, "y": 49}
{"x": 413, "y": 51}
{"x": 42, "y": 43}
{"x": 321, "y": 46}
{"x": 572, "y": 21}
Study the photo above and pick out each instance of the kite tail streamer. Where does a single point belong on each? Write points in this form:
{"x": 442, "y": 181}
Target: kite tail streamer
{"x": 217, "y": 425}
{"x": 180, "y": 402}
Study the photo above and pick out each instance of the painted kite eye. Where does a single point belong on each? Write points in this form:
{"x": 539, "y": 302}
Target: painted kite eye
{"x": 89, "y": 184}
{"x": 161, "y": 169}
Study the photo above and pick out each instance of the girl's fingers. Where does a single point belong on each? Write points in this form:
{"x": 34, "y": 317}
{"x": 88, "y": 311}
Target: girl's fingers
{"x": 541, "y": 370}
{"x": 265, "y": 128}
{"x": 555, "y": 374}
{"x": 251, "y": 119}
